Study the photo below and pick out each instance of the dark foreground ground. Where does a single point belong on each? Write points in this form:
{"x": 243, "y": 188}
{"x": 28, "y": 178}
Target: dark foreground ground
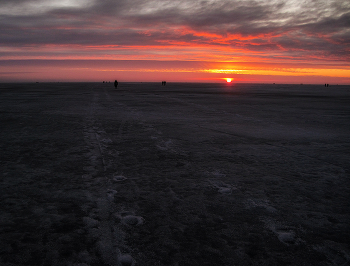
{"x": 185, "y": 174}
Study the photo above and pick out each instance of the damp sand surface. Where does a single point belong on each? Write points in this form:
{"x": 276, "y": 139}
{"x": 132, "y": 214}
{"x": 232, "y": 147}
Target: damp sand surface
{"x": 182, "y": 174}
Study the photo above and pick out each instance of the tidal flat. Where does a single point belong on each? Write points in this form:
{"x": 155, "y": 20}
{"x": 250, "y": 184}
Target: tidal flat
{"x": 182, "y": 174}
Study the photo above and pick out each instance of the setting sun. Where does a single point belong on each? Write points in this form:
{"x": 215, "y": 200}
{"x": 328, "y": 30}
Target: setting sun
{"x": 228, "y": 80}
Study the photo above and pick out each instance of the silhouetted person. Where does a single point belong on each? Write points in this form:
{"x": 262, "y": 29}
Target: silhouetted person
{"x": 325, "y": 85}
{"x": 163, "y": 83}
{"x": 115, "y": 83}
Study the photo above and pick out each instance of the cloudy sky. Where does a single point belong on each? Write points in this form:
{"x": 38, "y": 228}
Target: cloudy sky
{"x": 289, "y": 41}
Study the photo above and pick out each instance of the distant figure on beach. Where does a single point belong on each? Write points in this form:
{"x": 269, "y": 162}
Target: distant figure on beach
{"x": 163, "y": 83}
{"x": 115, "y": 83}
{"x": 325, "y": 85}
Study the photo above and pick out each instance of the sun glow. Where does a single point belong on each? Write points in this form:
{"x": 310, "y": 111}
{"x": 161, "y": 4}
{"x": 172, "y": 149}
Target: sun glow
{"x": 228, "y": 80}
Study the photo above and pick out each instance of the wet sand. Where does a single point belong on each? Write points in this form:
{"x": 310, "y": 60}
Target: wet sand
{"x": 182, "y": 174}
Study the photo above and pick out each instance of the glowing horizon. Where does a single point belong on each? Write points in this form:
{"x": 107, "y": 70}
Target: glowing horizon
{"x": 205, "y": 41}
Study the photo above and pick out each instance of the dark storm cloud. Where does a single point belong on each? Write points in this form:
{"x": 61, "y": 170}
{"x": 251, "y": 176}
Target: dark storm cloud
{"x": 330, "y": 24}
{"x": 314, "y": 26}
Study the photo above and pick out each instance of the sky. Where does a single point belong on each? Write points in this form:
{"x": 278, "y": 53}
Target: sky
{"x": 259, "y": 41}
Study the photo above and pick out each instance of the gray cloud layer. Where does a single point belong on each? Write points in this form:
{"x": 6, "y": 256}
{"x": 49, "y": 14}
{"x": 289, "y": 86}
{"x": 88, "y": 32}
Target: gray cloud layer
{"x": 319, "y": 28}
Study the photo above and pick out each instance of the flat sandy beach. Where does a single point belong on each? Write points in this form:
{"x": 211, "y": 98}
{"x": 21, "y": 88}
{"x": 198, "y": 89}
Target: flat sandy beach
{"x": 182, "y": 174}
